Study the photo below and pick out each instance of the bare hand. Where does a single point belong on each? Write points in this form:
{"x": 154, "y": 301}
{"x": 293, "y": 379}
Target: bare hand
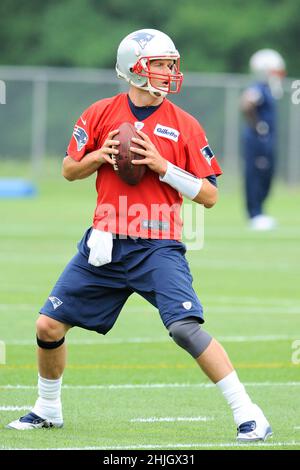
{"x": 109, "y": 149}
{"x": 152, "y": 159}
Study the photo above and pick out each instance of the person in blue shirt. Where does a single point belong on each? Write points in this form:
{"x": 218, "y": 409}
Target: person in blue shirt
{"x": 259, "y": 135}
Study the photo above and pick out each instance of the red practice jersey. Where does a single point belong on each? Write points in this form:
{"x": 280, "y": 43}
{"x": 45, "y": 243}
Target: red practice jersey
{"x": 151, "y": 209}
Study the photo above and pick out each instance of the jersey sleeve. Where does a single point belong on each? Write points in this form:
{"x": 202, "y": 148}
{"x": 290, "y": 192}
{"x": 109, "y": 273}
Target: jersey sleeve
{"x": 83, "y": 138}
{"x": 200, "y": 159}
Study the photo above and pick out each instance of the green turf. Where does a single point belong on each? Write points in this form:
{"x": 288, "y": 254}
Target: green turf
{"x": 248, "y": 283}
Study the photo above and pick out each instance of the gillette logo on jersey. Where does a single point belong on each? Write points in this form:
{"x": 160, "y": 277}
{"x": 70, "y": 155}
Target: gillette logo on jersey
{"x": 151, "y": 209}
{"x": 167, "y": 132}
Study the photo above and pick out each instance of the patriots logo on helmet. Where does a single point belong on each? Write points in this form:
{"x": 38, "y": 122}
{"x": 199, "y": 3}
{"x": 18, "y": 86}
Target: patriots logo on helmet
{"x": 142, "y": 39}
{"x": 207, "y": 153}
{"x": 80, "y": 136}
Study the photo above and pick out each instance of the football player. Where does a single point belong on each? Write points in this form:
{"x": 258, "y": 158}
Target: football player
{"x": 259, "y": 135}
{"x": 128, "y": 250}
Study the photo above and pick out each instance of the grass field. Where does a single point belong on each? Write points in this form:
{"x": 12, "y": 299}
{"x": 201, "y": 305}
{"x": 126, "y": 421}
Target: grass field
{"x": 134, "y": 388}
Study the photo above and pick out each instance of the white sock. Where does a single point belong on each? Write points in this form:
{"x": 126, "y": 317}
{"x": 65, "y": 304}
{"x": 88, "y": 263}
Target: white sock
{"x": 48, "y": 404}
{"x": 237, "y": 398}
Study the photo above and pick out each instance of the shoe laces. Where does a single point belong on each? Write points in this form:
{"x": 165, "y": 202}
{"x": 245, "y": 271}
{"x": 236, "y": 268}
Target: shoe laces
{"x": 246, "y": 427}
{"x": 31, "y": 418}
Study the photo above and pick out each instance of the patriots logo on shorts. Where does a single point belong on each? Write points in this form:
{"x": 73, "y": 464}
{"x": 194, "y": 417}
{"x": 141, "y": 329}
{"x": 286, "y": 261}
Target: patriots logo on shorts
{"x": 80, "y": 136}
{"x": 142, "y": 38}
{"x": 56, "y": 302}
{"x": 207, "y": 153}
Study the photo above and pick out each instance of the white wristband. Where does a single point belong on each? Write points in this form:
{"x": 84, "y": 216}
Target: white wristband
{"x": 181, "y": 180}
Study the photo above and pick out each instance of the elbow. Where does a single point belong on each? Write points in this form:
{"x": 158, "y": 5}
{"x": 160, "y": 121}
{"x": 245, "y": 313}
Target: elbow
{"x": 67, "y": 175}
{"x": 212, "y": 199}
{"x": 209, "y": 198}
{"x": 209, "y": 205}
{"x": 67, "y": 171}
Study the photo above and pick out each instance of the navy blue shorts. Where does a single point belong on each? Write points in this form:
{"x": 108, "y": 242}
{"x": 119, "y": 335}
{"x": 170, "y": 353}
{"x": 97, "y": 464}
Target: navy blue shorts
{"x": 92, "y": 297}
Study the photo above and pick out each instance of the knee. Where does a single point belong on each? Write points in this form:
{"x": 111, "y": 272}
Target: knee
{"x": 48, "y": 329}
{"x": 189, "y": 336}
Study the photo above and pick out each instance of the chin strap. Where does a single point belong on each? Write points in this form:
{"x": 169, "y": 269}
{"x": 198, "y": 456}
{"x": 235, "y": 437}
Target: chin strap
{"x": 154, "y": 91}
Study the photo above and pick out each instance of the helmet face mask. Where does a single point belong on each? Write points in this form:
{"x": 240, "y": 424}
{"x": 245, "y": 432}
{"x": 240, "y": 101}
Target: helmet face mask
{"x": 173, "y": 80}
{"x": 135, "y": 54}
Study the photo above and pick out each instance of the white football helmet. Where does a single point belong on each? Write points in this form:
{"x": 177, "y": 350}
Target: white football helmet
{"x": 269, "y": 66}
{"x": 133, "y": 61}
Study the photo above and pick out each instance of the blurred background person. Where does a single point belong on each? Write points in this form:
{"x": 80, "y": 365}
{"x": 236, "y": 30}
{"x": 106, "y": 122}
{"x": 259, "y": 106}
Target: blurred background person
{"x": 259, "y": 135}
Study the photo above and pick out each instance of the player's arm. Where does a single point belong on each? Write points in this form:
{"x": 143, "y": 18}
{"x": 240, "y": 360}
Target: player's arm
{"x": 208, "y": 194}
{"x": 199, "y": 190}
{"x": 75, "y": 170}
{"x": 250, "y": 100}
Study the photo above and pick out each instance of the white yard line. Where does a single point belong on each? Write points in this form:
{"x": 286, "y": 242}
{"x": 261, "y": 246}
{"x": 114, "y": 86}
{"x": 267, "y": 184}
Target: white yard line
{"x": 261, "y": 310}
{"x": 171, "y": 419}
{"x": 36, "y": 229}
{"x": 244, "y": 266}
{"x": 212, "y": 300}
{"x": 21, "y": 288}
{"x": 101, "y": 340}
{"x": 30, "y": 260}
{"x": 243, "y": 231}
{"x": 15, "y": 408}
{"x": 18, "y": 307}
{"x": 158, "y": 339}
{"x": 224, "y": 299}
{"x": 175, "y": 445}
{"x": 211, "y": 308}
{"x": 258, "y": 306}
{"x": 257, "y": 338}
{"x": 150, "y": 386}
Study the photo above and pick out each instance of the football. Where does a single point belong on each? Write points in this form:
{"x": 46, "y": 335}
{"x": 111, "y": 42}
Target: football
{"x": 131, "y": 174}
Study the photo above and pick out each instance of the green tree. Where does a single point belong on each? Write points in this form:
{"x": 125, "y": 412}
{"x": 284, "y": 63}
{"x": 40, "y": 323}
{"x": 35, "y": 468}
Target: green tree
{"x": 211, "y": 36}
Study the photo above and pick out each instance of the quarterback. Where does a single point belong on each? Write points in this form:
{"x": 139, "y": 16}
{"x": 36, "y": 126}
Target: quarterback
{"x": 132, "y": 247}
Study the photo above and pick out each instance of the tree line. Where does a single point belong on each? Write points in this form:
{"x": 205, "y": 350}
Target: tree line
{"x": 215, "y": 36}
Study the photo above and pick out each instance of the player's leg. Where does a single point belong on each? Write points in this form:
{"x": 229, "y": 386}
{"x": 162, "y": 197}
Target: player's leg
{"x": 267, "y": 171}
{"x": 166, "y": 282}
{"x": 259, "y": 169}
{"x": 264, "y": 170}
{"x": 252, "y": 186}
{"x": 51, "y": 353}
{"x": 84, "y": 296}
{"x": 210, "y": 355}
{"x": 215, "y": 363}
